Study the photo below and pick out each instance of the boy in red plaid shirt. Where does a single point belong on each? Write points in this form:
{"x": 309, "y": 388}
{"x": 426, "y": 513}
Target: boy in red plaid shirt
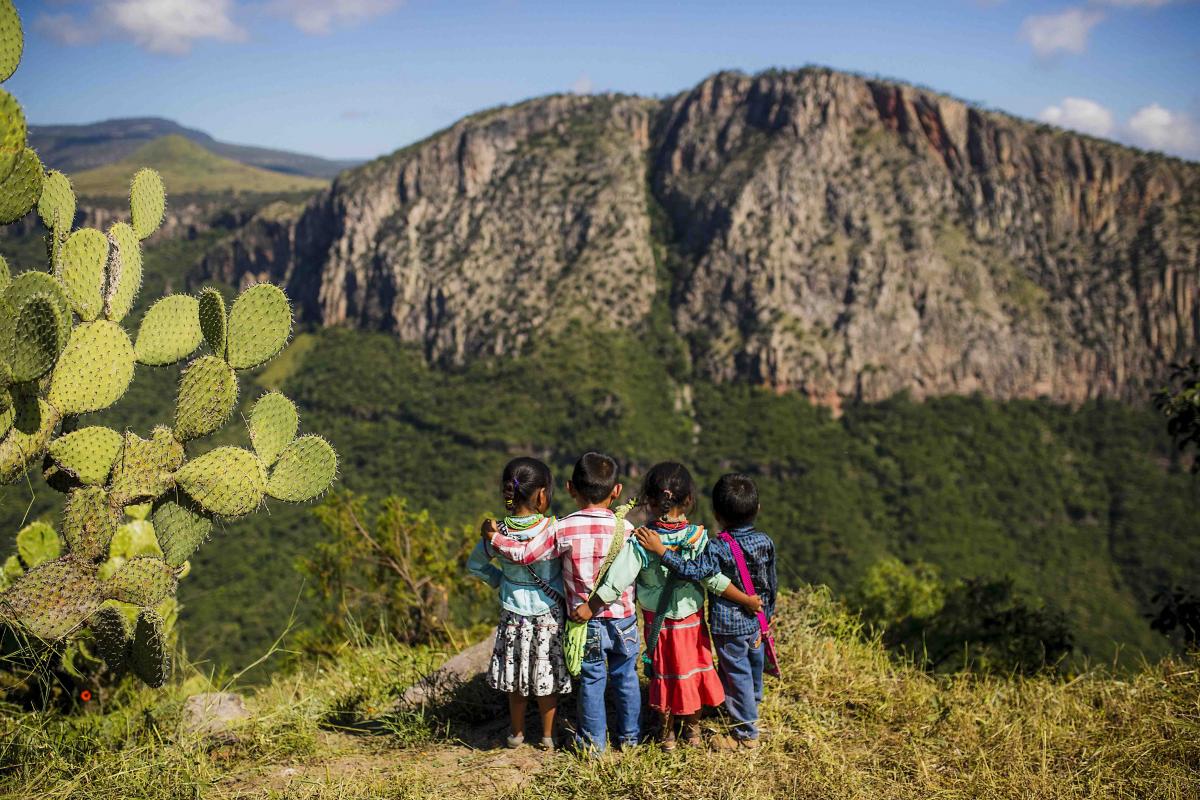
{"x": 582, "y": 540}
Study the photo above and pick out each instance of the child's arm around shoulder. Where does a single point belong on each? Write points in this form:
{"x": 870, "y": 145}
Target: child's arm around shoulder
{"x": 541, "y": 547}
{"x": 704, "y": 568}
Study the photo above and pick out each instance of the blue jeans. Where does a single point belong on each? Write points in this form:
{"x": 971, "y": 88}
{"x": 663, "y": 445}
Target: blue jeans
{"x": 609, "y": 661}
{"x": 741, "y": 671}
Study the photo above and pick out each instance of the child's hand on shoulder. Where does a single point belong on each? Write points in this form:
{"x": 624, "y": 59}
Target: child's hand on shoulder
{"x": 650, "y": 541}
{"x": 488, "y": 529}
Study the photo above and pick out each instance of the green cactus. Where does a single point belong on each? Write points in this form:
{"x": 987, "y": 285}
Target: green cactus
{"x": 21, "y": 189}
{"x": 88, "y": 453}
{"x": 112, "y": 574}
{"x": 207, "y": 394}
{"x": 12, "y": 133}
{"x": 147, "y": 201}
{"x": 181, "y": 526}
{"x": 305, "y": 469}
{"x": 56, "y": 206}
{"x": 37, "y": 543}
{"x": 94, "y": 370}
{"x": 54, "y": 599}
{"x": 273, "y": 425}
{"x": 89, "y": 522}
{"x": 212, "y": 320}
{"x": 124, "y": 271}
{"x": 81, "y": 270}
{"x": 228, "y": 481}
{"x": 259, "y": 325}
{"x": 111, "y": 635}
{"x": 149, "y": 657}
{"x": 141, "y": 581}
{"x": 145, "y": 467}
{"x": 170, "y": 331}
{"x": 11, "y": 40}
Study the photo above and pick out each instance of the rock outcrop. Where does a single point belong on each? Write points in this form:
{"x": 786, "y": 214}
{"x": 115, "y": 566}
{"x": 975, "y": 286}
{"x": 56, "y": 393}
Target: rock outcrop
{"x": 810, "y": 231}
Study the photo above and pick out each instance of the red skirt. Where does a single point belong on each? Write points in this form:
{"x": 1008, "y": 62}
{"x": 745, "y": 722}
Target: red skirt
{"x": 684, "y": 676}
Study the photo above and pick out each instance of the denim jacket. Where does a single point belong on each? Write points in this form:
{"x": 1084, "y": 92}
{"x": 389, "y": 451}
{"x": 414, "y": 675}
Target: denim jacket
{"x": 519, "y": 592}
{"x": 726, "y": 617}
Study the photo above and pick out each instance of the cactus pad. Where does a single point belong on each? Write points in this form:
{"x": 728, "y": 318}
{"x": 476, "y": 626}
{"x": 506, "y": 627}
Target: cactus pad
{"x": 83, "y": 260}
{"x": 148, "y": 656}
{"x": 19, "y": 192}
{"x": 53, "y": 600}
{"x": 134, "y": 539}
{"x": 212, "y": 320}
{"x": 89, "y": 522}
{"x": 139, "y": 511}
{"x": 207, "y": 394}
{"x": 56, "y": 206}
{"x": 33, "y": 424}
{"x": 145, "y": 467}
{"x": 12, "y": 133}
{"x": 170, "y": 331}
{"x": 37, "y": 543}
{"x": 30, "y": 283}
{"x": 124, "y": 271}
{"x": 88, "y": 453}
{"x": 147, "y": 201}
{"x": 35, "y": 343}
{"x": 11, "y": 40}
{"x": 111, "y": 636}
{"x": 259, "y": 324}
{"x": 305, "y": 469}
{"x": 94, "y": 370}
{"x": 228, "y": 481}
{"x": 142, "y": 581}
{"x": 273, "y": 425}
{"x": 181, "y": 526}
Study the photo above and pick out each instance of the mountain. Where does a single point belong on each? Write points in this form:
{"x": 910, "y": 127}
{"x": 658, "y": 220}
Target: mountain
{"x": 73, "y": 148}
{"x": 810, "y": 231}
{"x": 186, "y": 168}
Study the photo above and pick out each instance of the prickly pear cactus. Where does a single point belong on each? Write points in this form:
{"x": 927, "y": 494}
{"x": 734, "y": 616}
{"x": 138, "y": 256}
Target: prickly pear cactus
{"x": 65, "y": 352}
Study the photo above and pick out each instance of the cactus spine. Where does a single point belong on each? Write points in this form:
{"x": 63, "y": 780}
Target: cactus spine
{"x": 64, "y": 352}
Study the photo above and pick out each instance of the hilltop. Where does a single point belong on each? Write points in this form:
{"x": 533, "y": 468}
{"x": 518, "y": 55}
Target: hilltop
{"x": 845, "y": 722}
{"x": 188, "y": 169}
{"x": 74, "y": 148}
{"x": 811, "y": 231}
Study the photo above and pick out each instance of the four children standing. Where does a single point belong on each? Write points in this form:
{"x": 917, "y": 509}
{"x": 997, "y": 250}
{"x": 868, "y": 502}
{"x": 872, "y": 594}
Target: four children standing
{"x": 546, "y": 564}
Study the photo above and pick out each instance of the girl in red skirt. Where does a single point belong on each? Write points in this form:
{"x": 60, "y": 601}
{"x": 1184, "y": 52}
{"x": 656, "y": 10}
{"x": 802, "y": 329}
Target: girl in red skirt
{"x": 678, "y": 654}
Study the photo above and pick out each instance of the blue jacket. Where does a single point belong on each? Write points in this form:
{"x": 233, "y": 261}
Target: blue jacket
{"x": 519, "y": 592}
{"x": 727, "y": 618}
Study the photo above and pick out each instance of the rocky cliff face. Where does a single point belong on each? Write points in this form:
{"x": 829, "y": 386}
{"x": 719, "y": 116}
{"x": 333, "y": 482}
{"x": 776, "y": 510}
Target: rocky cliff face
{"x": 824, "y": 233}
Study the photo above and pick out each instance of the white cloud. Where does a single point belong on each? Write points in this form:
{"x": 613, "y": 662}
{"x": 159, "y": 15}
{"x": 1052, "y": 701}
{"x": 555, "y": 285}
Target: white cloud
{"x": 583, "y": 84}
{"x": 1066, "y": 31}
{"x": 322, "y": 16}
{"x": 1080, "y": 114}
{"x": 160, "y": 26}
{"x": 1158, "y": 128}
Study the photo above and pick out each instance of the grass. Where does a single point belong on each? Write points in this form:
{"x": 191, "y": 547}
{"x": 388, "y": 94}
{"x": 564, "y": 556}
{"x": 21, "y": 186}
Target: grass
{"x": 187, "y": 168}
{"x": 847, "y": 721}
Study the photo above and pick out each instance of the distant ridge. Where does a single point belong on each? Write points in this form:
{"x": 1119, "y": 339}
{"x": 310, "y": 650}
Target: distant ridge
{"x": 187, "y": 168}
{"x": 74, "y": 148}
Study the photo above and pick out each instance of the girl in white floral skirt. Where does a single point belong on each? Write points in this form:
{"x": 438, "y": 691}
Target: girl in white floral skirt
{"x": 527, "y": 660}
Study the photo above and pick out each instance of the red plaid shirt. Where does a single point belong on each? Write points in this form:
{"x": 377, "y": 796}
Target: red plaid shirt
{"x": 581, "y": 541}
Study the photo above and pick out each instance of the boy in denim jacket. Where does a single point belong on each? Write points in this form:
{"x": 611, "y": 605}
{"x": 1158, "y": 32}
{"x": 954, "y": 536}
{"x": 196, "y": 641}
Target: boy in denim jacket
{"x": 735, "y": 630}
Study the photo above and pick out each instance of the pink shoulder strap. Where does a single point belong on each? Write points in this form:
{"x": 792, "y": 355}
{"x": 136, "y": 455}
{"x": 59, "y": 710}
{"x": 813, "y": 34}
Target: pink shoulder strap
{"x": 739, "y": 558}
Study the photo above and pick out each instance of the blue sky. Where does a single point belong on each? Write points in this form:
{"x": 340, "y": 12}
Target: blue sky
{"x": 358, "y": 78}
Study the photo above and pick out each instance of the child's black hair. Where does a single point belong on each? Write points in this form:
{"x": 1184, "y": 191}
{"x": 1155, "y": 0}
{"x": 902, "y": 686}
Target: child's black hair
{"x": 668, "y": 485}
{"x": 735, "y": 499}
{"x": 594, "y": 477}
{"x": 522, "y": 478}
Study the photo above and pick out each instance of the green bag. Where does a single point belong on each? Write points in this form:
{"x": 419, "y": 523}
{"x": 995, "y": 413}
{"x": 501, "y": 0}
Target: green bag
{"x": 574, "y": 640}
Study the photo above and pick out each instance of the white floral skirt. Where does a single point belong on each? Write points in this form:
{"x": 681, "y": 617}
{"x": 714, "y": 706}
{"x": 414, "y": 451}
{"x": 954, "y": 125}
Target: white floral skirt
{"x": 528, "y": 657}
